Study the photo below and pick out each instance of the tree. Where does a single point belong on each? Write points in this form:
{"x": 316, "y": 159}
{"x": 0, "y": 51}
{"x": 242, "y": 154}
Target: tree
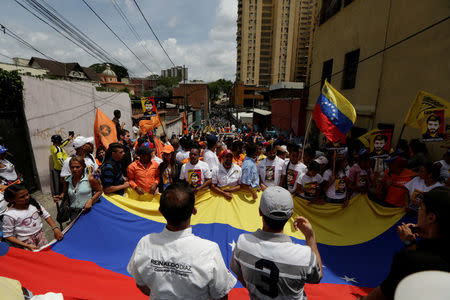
{"x": 168, "y": 82}
{"x": 219, "y": 86}
{"x": 120, "y": 71}
{"x": 161, "y": 91}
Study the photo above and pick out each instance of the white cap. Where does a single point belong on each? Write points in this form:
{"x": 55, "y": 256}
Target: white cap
{"x": 321, "y": 160}
{"x": 276, "y": 203}
{"x": 283, "y": 148}
{"x": 412, "y": 286}
{"x": 81, "y": 140}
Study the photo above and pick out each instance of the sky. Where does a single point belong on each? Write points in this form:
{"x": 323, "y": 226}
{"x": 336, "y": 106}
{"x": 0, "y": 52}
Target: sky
{"x": 200, "y": 34}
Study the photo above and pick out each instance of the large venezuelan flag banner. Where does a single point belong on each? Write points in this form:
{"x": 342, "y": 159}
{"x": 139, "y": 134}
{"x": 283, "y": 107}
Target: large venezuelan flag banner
{"x": 356, "y": 243}
{"x": 334, "y": 114}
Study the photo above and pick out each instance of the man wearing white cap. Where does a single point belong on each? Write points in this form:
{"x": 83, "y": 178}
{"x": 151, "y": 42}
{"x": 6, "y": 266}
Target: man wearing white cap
{"x": 83, "y": 147}
{"x": 267, "y": 262}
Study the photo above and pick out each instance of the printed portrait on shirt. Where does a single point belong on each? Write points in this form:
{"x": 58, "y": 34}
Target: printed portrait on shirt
{"x": 291, "y": 176}
{"x": 195, "y": 178}
{"x": 311, "y": 189}
{"x": 270, "y": 173}
{"x": 167, "y": 179}
{"x": 416, "y": 197}
{"x": 340, "y": 186}
{"x": 362, "y": 180}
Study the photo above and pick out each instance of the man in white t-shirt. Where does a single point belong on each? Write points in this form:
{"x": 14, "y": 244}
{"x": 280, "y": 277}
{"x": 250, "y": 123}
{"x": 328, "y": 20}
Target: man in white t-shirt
{"x": 293, "y": 169}
{"x": 227, "y": 178}
{"x": 82, "y": 147}
{"x": 427, "y": 180}
{"x": 175, "y": 264}
{"x": 270, "y": 169}
{"x": 309, "y": 185}
{"x": 196, "y": 172}
{"x": 210, "y": 156}
{"x": 267, "y": 262}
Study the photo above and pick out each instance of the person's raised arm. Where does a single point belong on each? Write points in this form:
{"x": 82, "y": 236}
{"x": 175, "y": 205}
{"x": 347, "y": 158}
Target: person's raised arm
{"x": 302, "y": 224}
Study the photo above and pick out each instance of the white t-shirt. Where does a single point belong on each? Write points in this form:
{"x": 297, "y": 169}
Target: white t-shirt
{"x": 311, "y": 185}
{"x": 417, "y": 188}
{"x": 270, "y": 171}
{"x": 3, "y": 204}
{"x": 22, "y": 223}
{"x": 180, "y": 265}
{"x": 211, "y": 159}
{"x": 223, "y": 177}
{"x": 293, "y": 173}
{"x": 182, "y": 155}
{"x": 91, "y": 166}
{"x": 195, "y": 175}
{"x": 8, "y": 172}
{"x": 338, "y": 190}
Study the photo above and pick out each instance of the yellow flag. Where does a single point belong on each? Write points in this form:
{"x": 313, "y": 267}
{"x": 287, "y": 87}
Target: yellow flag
{"x": 365, "y": 138}
{"x": 425, "y": 102}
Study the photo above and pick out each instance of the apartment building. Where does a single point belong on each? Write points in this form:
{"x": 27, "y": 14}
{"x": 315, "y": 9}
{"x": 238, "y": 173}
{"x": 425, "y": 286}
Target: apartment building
{"x": 273, "y": 41}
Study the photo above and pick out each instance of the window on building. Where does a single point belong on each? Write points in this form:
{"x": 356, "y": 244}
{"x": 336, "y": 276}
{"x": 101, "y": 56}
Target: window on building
{"x": 329, "y": 9}
{"x": 350, "y": 69}
{"x": 327, "y": 70}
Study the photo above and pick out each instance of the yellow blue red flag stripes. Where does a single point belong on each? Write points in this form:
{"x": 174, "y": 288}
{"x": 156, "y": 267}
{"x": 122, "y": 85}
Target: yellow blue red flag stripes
{"x": 334, "y": 114}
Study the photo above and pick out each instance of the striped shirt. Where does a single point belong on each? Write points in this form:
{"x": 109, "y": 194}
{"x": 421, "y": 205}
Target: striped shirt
{"x": 272, "y": 266}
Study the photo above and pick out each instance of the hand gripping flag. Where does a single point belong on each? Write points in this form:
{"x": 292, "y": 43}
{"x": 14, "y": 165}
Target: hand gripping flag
{"x": 334, "y": 115}
{"x": 104, "y": 130}
{"x": 422, "y": 106}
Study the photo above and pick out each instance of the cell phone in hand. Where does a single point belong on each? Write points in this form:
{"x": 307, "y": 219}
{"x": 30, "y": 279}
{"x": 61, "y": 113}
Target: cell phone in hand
{"x": 71, "y": 133}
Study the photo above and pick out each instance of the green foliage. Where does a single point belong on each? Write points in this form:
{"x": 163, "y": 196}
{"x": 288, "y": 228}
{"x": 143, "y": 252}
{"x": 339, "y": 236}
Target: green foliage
{"x": 219, "y": 86}
{"x": 168, "y": 82}
{"x": 120, "y": 71}
{"x": 124, "y": 90}
{"x": 11, "y": 90}
{"x": 147, "y": 93}
{"x": 100, "y": 89}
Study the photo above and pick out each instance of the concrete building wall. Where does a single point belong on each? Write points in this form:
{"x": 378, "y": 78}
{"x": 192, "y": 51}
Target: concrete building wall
{"x": 196, "y": 94}
{"x": 23, "y": 69}
{"x": 57, "y": 107}
{"x": 387, "y": 83}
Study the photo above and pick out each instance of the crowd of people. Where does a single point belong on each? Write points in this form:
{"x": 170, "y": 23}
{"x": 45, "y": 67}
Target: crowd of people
{"x": 224, "y": 163}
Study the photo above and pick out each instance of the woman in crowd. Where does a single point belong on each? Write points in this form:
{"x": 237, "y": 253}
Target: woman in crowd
{"x": 335, "y": 182}
{"x": 100, "y": 155}
{"x": 427, "y": 180}
{"x": 82, "y": 190}
{"x": 169, "y": 168}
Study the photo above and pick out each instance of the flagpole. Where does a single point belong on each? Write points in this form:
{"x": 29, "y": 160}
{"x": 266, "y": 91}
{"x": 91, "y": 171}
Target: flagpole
{"x": 306, "y": 135}
{"x": 400, "y": 136}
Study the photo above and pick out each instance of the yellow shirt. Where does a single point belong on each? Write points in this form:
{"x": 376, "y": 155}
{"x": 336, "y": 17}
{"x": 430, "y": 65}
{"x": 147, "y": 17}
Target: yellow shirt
{"x": 59, "y": 155}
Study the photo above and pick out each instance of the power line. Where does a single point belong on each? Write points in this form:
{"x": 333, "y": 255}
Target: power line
{"x": 97, "y": 15}
{"x": 133, "y": 30}
{"x": 387, "y": 48}
{"x": 142, "y": 14}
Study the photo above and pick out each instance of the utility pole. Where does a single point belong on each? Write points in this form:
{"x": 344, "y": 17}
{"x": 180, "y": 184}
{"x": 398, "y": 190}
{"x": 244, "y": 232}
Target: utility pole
{"x": 185, "y": 99}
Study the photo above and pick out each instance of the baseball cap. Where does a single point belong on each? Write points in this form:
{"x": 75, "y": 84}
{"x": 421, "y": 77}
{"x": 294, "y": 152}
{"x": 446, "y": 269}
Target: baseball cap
{"x": 321, "y": 160}
{"x": 2, "y": 149}
{"x": 276, "y": 203}
{"x": 81, "y": 140}
{"x": 211, "y": 139}
{"x": 168, "y": 149}
{"x": 283, "y": 148}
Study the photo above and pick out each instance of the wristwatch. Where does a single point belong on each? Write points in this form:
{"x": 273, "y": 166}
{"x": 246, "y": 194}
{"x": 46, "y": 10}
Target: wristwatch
{"x": 409, "y": 243}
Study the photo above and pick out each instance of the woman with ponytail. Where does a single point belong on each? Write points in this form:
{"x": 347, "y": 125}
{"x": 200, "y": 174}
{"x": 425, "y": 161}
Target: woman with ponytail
{"x": 22, "y": 225}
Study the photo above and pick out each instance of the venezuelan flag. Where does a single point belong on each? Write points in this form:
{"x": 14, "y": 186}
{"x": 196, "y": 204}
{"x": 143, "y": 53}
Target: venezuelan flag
{"x": 334, "y": 114}
{"x": 356, "y": 243}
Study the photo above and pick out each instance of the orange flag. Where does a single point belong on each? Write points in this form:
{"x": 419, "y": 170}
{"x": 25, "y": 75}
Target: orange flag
{"x": 145, "y": 126}
{"x": 185, "y": 129}
{"x": 159, "y": 147}
{"x": 104, "y": 130}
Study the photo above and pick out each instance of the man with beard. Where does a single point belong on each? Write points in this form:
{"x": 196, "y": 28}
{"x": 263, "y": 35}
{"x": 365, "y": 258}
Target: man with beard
{"x": 226, "y": 178}
{"x": 270, "y": 169}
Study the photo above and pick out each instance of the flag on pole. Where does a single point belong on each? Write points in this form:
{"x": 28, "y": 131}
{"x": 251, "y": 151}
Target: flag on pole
{"x": 185, "y": 128}
{"x": 105, "y": 131}
{"x": 421, "y": 108}
{"x": 334, "y": 114}
{"x": 378, "y": 141}
{"x": 150, "y": 111}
